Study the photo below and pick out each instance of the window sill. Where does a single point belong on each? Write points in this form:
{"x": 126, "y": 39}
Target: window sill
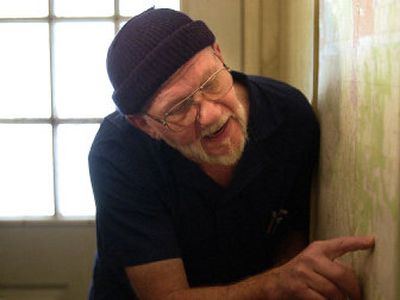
{"x": 54, "y": 221}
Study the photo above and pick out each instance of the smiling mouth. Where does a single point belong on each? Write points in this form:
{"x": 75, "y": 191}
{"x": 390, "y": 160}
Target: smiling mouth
{"x": 217, "y": 132}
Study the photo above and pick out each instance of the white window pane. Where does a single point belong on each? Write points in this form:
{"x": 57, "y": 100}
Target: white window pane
{"x": 75, "y": 195}
{"x": 23, "y": 8}
{"x": 133, "y": 8}
{"x": 25, "y": 70}
{"x": 83, "y": 8}
{"x": 26, "y": 173}
{"x": 82, "y": 88}
{"x": 173, "y": 4}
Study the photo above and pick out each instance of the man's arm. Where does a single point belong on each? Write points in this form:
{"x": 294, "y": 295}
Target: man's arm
{"x": 313, "y": 274}
{"x": 167, "y": 280}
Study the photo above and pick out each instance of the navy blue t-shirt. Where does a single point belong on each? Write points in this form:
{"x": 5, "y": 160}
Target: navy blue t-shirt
{"x": 154, "y": 204}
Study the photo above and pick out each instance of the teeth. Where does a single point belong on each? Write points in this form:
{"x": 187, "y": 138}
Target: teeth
{"x": 215, "y": 129}
{"x": 210, "y": 135}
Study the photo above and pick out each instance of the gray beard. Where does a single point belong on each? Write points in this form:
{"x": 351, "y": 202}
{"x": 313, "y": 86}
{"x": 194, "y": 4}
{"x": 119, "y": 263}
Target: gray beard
{"x": 196, "y": 153}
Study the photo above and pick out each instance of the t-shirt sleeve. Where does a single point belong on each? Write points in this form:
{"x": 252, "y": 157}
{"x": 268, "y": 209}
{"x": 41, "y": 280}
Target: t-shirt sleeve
{"x": 132, "y": 220}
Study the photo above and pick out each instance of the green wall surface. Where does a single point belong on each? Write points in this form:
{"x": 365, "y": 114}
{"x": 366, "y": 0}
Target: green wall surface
{"x": 358, "y": 190}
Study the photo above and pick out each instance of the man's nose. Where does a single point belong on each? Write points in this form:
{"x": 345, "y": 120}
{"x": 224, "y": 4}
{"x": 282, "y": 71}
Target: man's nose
{"x": 209, "y": 111}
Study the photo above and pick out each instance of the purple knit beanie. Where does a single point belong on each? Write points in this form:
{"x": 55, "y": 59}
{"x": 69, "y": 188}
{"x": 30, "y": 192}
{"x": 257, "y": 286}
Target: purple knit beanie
{"x": 147, "y": 50}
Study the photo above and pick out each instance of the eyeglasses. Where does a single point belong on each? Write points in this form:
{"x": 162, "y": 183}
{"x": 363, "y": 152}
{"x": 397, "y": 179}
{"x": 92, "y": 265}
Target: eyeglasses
{"x": 183, "y": 114}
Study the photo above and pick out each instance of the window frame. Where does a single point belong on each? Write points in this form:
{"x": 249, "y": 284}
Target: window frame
{"x": 51, "y": 19}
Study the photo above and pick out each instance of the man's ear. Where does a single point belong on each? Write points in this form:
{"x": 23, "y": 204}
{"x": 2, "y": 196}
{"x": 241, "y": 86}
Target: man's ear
{"x": 217, "y": 51}
{"x": 141, "y": 122}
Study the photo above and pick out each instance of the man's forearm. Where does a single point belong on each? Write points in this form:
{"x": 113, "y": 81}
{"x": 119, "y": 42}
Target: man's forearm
{"x": 262, "y": 286}
{"x": 256, "y": 287}
{"x": 313, "y": 274}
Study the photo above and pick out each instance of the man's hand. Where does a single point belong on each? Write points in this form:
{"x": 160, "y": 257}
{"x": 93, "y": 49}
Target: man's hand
{"x": 316, "y": 274}
{"x": 313, "y": 274}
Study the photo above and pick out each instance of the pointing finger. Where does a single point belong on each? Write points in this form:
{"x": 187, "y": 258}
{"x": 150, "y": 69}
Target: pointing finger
{"x": 339, "y": 246}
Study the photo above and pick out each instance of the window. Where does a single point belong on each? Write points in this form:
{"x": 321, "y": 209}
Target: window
{"x": 54, "y": 94}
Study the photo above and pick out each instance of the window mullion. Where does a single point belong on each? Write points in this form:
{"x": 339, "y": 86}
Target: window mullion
{"x": 53, "y": 108}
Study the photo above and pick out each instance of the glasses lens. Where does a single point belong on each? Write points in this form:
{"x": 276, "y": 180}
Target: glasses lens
{"x": 185, "y": 114}
{"x": 181, "y": 120}
{"x": 218, "y": 86}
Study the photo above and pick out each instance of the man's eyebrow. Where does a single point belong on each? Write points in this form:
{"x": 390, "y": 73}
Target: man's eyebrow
{"x": 206, "y": 75}
{"x": 203, "y": 78}
{"x": 172, "y": 101}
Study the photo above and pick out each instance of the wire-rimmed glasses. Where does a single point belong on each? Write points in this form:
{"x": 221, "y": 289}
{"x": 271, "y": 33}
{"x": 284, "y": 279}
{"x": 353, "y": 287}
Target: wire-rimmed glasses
{"x": 185, "y": 112}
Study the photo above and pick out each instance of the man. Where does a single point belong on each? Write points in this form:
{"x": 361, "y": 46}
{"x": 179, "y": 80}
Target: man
{"x": 202, "y": 177}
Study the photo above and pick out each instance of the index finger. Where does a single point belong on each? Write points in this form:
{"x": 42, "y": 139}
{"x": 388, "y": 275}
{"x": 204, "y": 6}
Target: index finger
{"x": 339, "y": 246}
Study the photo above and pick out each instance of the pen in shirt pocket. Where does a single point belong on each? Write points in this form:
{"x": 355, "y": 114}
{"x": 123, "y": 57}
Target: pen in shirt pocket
{"x": 276, "y": 218}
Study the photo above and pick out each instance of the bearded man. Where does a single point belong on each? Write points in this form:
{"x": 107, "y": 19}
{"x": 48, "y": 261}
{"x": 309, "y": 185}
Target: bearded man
{"x": 202, "y": 177}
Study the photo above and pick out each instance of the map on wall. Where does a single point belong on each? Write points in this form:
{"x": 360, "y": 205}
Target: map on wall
{"x": 359, "y": 111}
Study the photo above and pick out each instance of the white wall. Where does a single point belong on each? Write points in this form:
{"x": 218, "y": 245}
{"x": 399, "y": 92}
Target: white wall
{"x": 46, "y": 260}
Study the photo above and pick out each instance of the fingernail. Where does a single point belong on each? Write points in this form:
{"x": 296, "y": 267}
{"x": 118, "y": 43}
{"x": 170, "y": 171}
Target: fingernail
{"x": 371, "y": 240}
